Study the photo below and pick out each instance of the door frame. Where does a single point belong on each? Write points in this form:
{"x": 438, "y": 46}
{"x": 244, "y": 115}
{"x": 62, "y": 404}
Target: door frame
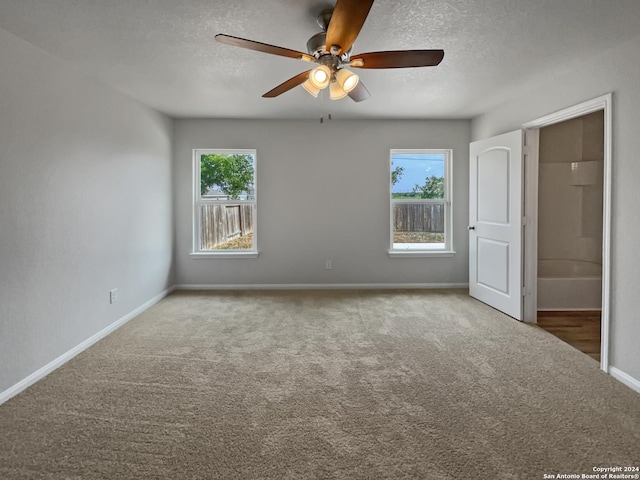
{"x": 530, "y": 235}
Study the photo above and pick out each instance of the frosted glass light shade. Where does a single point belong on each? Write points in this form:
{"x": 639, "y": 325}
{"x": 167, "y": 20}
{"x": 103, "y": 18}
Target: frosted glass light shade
{"x": 320, "y": 77}
{"x": 309, "y": 87}
{"x": 336, "y": 92}
{"x": 347, "y": 79}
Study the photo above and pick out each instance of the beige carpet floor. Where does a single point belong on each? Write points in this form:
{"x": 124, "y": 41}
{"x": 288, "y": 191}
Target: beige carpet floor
{"x": 322, "y": 385}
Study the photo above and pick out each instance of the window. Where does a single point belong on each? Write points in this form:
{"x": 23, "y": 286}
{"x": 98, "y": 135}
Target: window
{"x": 420, "y": 202}
{"x": 224, "y": 207}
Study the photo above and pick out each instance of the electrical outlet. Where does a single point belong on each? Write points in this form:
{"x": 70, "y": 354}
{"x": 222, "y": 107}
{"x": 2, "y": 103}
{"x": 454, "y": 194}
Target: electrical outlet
{"x": 327, "y": 265}
{"x": 113, "y": 295}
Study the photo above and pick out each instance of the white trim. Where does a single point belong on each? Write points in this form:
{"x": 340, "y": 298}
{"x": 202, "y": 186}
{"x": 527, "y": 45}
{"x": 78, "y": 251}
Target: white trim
{"x": 568, "y": 113}
{"x": 400, "y": 253}
{"x": 65, "y": 357}
{"x": 531, "y": 153}
{"x": 223, "y": 254}
{"x": 568, "y": 310}
{"x": 430, "y": 247}
{"x": 625, "y": 378}
{"x": 322, "y": 286}
{"x": 605, "y": 103}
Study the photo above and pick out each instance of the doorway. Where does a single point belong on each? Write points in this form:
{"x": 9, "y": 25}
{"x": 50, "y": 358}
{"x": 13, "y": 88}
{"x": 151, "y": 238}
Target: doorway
{"x": 567, "y": 218}
{"x": 570, "y": 192}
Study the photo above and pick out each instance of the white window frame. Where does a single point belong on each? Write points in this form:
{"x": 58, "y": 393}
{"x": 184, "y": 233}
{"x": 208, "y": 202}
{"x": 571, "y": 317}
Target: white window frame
{"x": 198, "y": 201}
{"x": 447, "y": 249}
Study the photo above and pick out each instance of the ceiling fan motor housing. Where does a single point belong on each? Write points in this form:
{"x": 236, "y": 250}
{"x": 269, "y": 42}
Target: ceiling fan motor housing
{"x": 316, "y": 45}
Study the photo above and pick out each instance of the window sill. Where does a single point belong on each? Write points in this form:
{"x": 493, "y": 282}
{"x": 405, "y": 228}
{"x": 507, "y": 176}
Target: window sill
{"x": 212, "y": 255}
{"x": 421, "y": 253}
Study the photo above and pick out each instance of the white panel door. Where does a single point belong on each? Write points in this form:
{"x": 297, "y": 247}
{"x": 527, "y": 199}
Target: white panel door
{"x": 495, "y": 222}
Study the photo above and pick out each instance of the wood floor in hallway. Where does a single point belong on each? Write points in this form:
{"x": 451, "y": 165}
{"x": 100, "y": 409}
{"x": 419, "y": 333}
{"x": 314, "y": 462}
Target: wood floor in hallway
{"x": 580, "y": 329}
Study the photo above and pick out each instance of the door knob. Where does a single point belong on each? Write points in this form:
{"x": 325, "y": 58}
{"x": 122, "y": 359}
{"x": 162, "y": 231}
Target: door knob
{"x": 470, "y": 227}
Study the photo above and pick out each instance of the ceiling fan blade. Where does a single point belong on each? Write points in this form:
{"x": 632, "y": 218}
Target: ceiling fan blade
{"x": 346, "y": 22}
{"x": 359, "y": 93}
{"x": 288, "y": 85}
{"x": 398, "y": 59}
{"x": 263, "y": 47}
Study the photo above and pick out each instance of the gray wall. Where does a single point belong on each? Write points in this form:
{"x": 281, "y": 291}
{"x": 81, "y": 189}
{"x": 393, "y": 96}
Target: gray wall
{"x": 323, "y": 193}
{"x": 85, "y": 206}
{"x": 618, "y": 71}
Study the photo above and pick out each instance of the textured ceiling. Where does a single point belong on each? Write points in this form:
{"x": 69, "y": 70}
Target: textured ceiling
{"x": 163, "y": 52}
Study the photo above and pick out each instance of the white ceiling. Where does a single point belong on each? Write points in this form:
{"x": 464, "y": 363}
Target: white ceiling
{"x": 163, "y": 52}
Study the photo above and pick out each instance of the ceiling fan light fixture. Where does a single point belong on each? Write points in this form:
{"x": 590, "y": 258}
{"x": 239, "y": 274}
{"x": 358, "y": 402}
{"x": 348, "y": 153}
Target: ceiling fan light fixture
{"x": 336, "y": 92}
{"x": 309, "y": 87}
{"x": 331, "y": 50}
{"x": 320, "y": 77}
{"x": 347, "y": 79}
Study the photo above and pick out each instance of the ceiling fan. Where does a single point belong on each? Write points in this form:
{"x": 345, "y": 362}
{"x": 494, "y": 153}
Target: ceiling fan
{"x": 331, "y": 50}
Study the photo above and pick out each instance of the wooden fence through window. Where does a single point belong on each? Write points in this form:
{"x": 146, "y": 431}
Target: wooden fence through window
{"x": 221, "y": 223}
{"x": 418, "y": 217}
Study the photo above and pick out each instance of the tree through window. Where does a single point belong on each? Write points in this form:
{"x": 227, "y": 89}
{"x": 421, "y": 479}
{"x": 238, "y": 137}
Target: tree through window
{"x": 420, "y": 200}
{"x": 224, "y": 200}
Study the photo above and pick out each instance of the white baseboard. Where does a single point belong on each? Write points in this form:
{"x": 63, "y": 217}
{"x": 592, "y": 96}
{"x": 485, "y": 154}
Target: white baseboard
{"x": 569, "y": 309}
{"x": 65, "y": 357}
{"x": 322, "y": 286}
{"x": 625, "y": 378}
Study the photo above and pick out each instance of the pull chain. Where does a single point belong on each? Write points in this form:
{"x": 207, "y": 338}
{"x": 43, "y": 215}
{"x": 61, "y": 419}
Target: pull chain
{"x": 322, "y": 118}
{"x": 324, "y": 100}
